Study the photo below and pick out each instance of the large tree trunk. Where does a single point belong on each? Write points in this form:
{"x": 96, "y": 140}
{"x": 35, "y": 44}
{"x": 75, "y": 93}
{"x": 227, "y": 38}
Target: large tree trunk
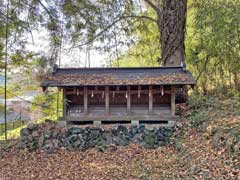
{"x": 172, "y": 25}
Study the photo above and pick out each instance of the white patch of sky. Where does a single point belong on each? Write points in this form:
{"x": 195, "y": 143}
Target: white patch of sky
{"x": 74, "y": 58}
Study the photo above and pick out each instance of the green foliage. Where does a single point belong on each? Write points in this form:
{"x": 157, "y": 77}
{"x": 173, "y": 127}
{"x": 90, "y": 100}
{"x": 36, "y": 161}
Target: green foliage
{"x": 212, "y": 45}
{"x": 1, "y": 108}
{"x": 12, "y": 90}
{"x": 199, "y": 110}
{"x": 48, "y": 104}
{"x": 11, "y": 126}
{"x": 14, "y": 133}
{"x": 23, "y": 18}
{"x": 18, "y": 59}
{"x": 198, "y": 119}
{"x": 218, "y": 103}
{"x": 146, "y": 51}
{"x": 225, "y": 91}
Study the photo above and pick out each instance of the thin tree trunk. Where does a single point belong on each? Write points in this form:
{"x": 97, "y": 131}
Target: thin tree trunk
{"x": 204, "y": 88}
{"x": 236, "y": 80}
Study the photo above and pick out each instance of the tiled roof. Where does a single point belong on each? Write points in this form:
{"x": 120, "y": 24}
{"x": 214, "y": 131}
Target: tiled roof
{"x": 118, "y": 76}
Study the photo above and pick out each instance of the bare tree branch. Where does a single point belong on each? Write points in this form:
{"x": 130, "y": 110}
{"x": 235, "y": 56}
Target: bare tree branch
{"x": 46, "y": 9}
{"x": 158, "y": 10}
{"x": 112, "y": 24}
{"x": 155, "y": 7}
{"x": 204, "y": 67}
{"x": 141, "y": 17}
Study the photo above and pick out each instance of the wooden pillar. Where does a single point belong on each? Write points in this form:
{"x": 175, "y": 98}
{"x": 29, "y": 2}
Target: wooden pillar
{"x": 128, "y": 100}
{"x": 85, "y": 99}
{"x": 150, "y": 100}
{"x": 173, "y": 92}
{"x": 58, "y": 90}
{"x": 64, "y": 99}
{"x": 107, "y": 100}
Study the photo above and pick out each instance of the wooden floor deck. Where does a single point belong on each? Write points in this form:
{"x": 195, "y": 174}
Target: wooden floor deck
{"x": 119, "y": 115}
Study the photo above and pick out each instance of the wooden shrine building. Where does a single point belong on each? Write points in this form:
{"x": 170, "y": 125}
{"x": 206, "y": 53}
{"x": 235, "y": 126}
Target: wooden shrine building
{"x": 118, "y": 95}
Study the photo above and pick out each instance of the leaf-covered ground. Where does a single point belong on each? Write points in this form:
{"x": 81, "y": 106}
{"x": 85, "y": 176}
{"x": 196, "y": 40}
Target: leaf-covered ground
{"x": 192, "y": 156}
{"x": 195, "y": 159}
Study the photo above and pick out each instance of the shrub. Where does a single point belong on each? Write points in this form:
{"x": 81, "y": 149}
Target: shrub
{"x": 198, "y": 119}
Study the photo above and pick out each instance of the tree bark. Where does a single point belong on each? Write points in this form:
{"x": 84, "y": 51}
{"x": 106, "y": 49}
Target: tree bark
{"x": 171, "y": 21}
{"x": 172, "y": 27}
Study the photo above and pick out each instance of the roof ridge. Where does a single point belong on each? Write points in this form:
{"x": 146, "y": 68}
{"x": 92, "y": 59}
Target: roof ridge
{"x": 149, "y": 67}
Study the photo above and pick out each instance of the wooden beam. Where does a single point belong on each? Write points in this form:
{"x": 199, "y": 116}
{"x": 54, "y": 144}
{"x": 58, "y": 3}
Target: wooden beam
{"x": 107, "y": 100}
{"x": 64, "y": 99}
{"x": 150, "y": 100}
{"x": 128, "y": 100}
{"x": 173, "y": 95}
{"x": 154, "y": 91}
{"x": 124, "y": 117}
{"x": 85, "y": 99}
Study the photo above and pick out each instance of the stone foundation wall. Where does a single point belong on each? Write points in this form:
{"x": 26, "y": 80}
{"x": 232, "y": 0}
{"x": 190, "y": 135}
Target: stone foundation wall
{"x": 49, "y": 136}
